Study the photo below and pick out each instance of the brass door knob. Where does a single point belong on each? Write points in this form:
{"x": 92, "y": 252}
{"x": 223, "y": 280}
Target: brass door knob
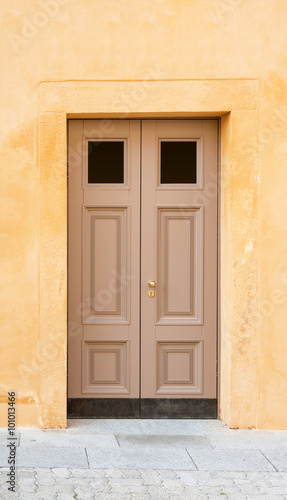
{"x": 151, "y": 283}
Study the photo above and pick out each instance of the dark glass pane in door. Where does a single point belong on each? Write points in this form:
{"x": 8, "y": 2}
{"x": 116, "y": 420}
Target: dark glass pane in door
{"x": 178, "y": 162}
{"x": 105, "y": 162}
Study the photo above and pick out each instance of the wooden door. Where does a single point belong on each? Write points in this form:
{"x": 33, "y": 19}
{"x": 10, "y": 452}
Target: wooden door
{"x": 104, "y": 253}
{"x": 179, "y": 256}
{"x": 142, "y": 244}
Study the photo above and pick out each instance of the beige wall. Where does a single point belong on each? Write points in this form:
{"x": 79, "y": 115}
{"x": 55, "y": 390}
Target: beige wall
{"x": 144, "y": 58}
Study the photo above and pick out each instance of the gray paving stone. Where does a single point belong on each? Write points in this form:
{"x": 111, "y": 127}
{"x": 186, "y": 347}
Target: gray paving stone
{"x": 115, "y": 496}
{"x": 265, "y": 497}
{"x": 66, "y": 496}
{"x": 237, "y": 495}
{"x": 230, "y": 460}
{"x": 63, "y": 438}
{"x": 158, "y": 492}
{"x": 7, "y": 495}
{"x": 87, "y": 473}
{"x": 86, "y": 493}
{"x": 127, "y": 481}
{"x": 163, "y": 441}
{"x": 100, "y": 485}
{"x": 131, "y": 488}
{"x": 249, "y": 489}
{"x": 172, "y": 484}
{"x": 114, "y": 473}
{"x": 216, "y": 496}
{"x": 248, "y": 439}
{"x": 151, "y": 477}
{"x": 264, "y": 486}
{"x": 209, "y": 479}
{"x": 21, "y": 473}
{"x": 212, "y": 490}
{"x": 27, "y": 484}
{"x": 52, "y": 456}
{"x": 139, "y": 458}
{"x": 146, "y": 426}
{"x": 50, "y": 491}
{"x": 278, "y": 458}
{"x": 187, "y": 478}
{"x": 32, "y": 496}
{"x": 132, "y": 473}
{"x": 277, "y": 478}
{"x": 36, "y": 469}
{"x": 83, "y": 481}
{"x": 61, "y": 473}
{"x": 167, "y": 474}
{"x": 45, "y": 478}
{"x": 279, "y": 490}
{"x": 141, "y": 496}
{"x": 193, "y": 496}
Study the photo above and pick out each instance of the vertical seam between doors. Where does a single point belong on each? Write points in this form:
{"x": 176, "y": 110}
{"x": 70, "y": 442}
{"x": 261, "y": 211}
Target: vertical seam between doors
{"x": 140, "y": 277}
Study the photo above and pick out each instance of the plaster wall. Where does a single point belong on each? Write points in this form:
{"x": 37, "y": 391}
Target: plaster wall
{"x": 223, "y": 58}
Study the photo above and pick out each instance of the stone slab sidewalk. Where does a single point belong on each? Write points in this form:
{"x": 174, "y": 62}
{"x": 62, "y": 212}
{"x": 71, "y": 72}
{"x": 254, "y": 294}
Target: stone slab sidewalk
{"x": 146, "y": 459}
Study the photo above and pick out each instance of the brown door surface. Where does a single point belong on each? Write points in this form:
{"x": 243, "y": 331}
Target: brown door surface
{"x": 142, "y": 259}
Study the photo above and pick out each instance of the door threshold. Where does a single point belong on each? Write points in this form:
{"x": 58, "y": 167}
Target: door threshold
{"x": 195, "y": 408}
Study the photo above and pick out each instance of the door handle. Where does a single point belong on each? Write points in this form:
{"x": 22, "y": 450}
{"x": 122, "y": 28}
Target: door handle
{"x": 151, "y": 283}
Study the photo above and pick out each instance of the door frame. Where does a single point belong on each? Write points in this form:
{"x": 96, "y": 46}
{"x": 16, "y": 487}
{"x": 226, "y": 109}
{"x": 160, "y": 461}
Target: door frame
{"x": 235, "y": 103}
{"x": 178, "y": 404}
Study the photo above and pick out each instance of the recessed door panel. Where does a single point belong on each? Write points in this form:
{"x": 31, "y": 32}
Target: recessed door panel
{"x": 105, "y": 261}
{"x": 180, "y": 257}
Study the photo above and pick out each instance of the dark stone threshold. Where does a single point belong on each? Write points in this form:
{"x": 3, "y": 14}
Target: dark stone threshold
{"x": 141, "y": 408}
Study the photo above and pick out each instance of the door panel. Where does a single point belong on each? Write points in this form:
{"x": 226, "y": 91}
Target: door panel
{"x": 142, "y": 202}
{"x": 179, "y": 253}
{"x": 179, "y": 263}
{"x": 106, "y": 258}
{"x": 104, "y": 239}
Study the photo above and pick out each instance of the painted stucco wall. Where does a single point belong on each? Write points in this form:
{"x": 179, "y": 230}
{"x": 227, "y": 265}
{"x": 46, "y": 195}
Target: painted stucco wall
{"x": 147, "y": 53}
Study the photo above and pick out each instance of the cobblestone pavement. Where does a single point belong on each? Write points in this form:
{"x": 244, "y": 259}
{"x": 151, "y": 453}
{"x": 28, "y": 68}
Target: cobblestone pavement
{"x": 88, "y": 484}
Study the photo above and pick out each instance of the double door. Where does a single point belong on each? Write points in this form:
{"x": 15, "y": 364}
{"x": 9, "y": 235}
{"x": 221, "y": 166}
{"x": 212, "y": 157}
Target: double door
{"x": 142, "y": 259}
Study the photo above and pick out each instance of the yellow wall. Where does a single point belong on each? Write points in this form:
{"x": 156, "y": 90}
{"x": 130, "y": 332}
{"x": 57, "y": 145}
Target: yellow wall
{"x": 65, "y": 58}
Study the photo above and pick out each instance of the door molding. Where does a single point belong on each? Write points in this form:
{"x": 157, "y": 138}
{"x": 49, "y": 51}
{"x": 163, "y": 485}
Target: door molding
{"x": 235, "y": 102}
